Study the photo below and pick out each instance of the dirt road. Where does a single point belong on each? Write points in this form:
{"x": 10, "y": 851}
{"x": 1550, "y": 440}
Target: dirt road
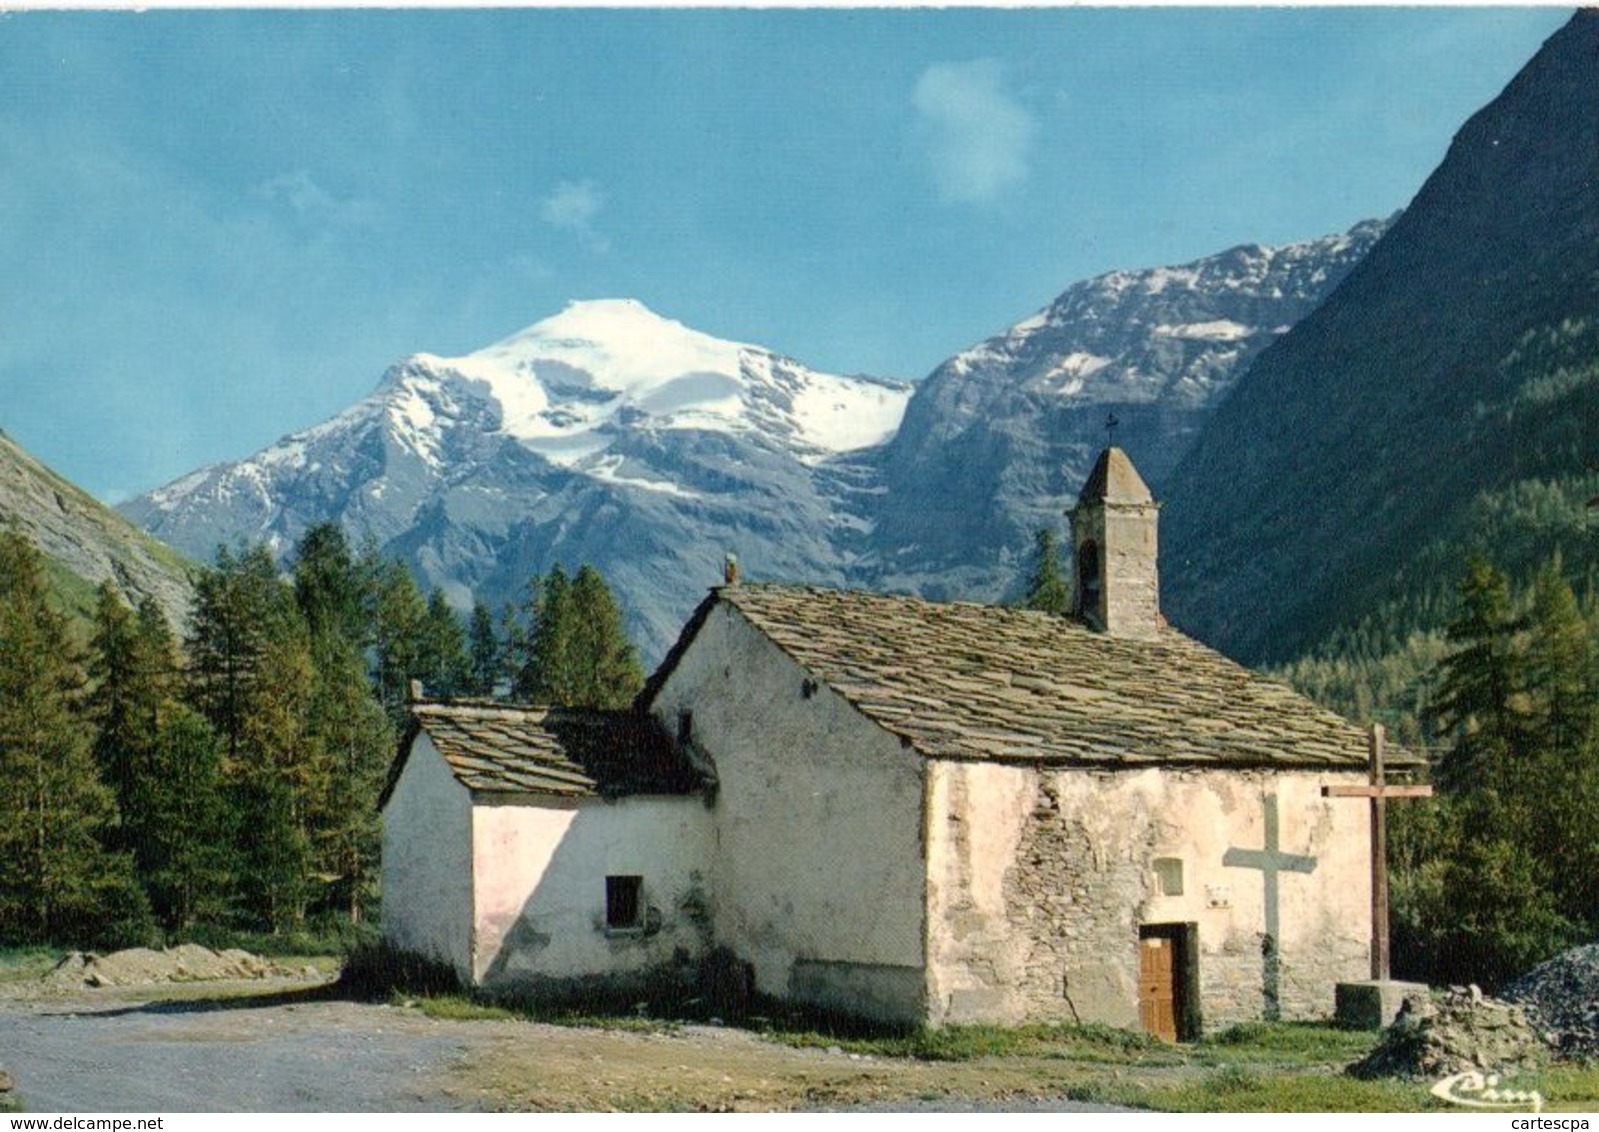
{"x": 295, "y": 1052}
{"x": 273, "y": 1055}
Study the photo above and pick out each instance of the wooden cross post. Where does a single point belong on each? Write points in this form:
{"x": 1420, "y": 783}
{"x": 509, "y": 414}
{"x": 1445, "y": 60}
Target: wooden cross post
{"x": 1378, "y": 794}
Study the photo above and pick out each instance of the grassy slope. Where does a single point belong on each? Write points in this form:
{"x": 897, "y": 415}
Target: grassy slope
{"x": 95, "y": 523}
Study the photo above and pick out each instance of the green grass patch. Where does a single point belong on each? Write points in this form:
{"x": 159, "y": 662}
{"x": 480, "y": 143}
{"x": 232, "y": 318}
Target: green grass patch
{"x": 1236, "y": 1089}
{"x": 619, "y": 1023}
{"x": 457, "y": 1008}
{"x": 1569, "y": 1088}
{"x": 1282, "y": 1044}
{"x": 334, "y": 937}
{"x": 1103, "y": 1044}
{"x": 23, "y": 964}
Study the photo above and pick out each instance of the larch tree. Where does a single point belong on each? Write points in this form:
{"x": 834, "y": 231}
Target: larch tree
{"x": 398, "y": 617}
{"x": 251, "y": 676}
{"x": 58, "y": 881}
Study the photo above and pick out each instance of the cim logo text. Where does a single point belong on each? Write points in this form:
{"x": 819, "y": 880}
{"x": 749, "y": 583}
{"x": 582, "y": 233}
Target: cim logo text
{"x": 1474, "y": 1090}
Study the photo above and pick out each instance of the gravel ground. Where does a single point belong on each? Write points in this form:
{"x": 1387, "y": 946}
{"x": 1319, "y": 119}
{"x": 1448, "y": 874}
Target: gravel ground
{"x": 295, "y": 1050}
{"x": 1562, "y": 998}
{"x": 308, "y": 1056}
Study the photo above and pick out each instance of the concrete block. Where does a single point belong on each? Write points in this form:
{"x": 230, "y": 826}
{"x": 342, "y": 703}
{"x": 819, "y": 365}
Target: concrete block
{"x": 1373, "y": 1004}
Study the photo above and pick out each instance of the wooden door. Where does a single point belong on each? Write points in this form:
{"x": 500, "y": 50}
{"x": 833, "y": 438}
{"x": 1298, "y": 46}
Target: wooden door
{"x": 1157, "y": 986}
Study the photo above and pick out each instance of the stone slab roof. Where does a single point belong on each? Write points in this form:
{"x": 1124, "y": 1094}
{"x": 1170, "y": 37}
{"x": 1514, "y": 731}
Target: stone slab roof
{"x": 980, "y": 682}
{"x": 495, "y": 748}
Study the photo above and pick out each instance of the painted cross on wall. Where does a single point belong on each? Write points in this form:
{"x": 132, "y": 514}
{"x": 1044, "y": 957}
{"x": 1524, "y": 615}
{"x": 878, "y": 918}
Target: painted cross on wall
{"x": 1270, "y": 860}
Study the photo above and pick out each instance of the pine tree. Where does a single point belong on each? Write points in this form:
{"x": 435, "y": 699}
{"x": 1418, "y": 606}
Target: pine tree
{"x": 1561, "y": 799}
{"x": 57, "y": 880}
{"x": 279, "y": 773}
{"x": 399, "y": 613}
{"x": 578, "y": 654}
{"x": 348, "y": 738}
{"x": 178, "y": 822}
{"x": 329, "y": 585}
{"x": 442, "y": 662}
{"x": 123, "y": 724}
{"x": 1559, "y": 666}
{"x": 251, "y": 677}
{"x": 1484, "y": 887}
{"x": 483, "y": 652}
{"x": 515, "y": 647}
{"x": 133, "y": 670}
{"x": 606, "y": 669}
{"x": 235, "y": 602}
{"x": 353, "y": 740}
{"x": 1046, "y": 588}
{"x": 1477, "y": 694}
{"x": 546, "y": 676}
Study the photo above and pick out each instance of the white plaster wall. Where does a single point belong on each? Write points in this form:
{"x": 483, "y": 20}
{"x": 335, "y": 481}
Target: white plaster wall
{"x": 817, "y": 869}
{"x": 427, "y": 862}
{"x": 989, "y": 958}
{"x": 541, "y": 869}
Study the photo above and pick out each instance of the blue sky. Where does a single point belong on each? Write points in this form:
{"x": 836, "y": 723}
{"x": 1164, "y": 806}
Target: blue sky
{"x": 219, "y": 226}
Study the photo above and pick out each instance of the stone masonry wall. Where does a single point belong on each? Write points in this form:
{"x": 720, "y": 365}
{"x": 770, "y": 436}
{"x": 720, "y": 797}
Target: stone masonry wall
{"x": 1039, "y": 881}
{"x": 1074, "y": 904}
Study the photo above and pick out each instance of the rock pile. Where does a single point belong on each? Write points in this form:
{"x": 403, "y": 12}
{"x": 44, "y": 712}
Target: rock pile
{"x": 1459, "y": 1030}
{"x": 1561, "y": 998}
{"x": 140, "y": 966}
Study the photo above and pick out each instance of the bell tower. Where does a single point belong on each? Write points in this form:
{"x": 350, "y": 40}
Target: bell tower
{"x": 1115, "y": 546}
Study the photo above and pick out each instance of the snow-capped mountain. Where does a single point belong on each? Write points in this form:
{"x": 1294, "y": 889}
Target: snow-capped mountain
{"x": 611, "y": 435}
{"x": 605, "y": 433}
{"x": 998, "y": 440}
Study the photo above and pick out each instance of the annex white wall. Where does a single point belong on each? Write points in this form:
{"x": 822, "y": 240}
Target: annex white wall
{"x": 817, "y": 868}
{"x": 541, "y": 866}
{"x": 1039, "y": 880}
{"x": 427, "y": 861}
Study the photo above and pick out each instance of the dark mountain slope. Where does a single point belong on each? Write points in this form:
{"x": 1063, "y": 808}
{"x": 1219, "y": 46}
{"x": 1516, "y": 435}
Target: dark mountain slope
{"x": 1367, "y": 449}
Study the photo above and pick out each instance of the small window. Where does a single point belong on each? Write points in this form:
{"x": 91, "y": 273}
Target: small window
{"x": 1169, "y": 876}
{"x": 623, "y": 904}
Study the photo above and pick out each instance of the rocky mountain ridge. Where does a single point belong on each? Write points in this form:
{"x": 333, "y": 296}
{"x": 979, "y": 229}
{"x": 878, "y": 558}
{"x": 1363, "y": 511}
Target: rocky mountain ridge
{"x": 998, "y": 440}
{"x": 609, "y": 434}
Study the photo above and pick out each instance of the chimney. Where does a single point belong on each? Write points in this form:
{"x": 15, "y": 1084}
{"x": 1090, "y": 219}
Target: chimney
{"x": 730, "y": 569}
{"x": 414, "y": 693}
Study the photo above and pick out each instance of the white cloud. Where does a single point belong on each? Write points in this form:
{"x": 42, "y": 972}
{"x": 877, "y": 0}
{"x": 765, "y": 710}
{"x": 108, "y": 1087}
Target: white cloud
{"x": 572, "y": 206}
{"x": 312, "y": 203}
{"x": 976, "y": 133}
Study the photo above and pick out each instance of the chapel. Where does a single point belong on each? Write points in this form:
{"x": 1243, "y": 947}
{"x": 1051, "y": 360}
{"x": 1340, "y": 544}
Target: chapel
{"x": 909, "y": 811}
